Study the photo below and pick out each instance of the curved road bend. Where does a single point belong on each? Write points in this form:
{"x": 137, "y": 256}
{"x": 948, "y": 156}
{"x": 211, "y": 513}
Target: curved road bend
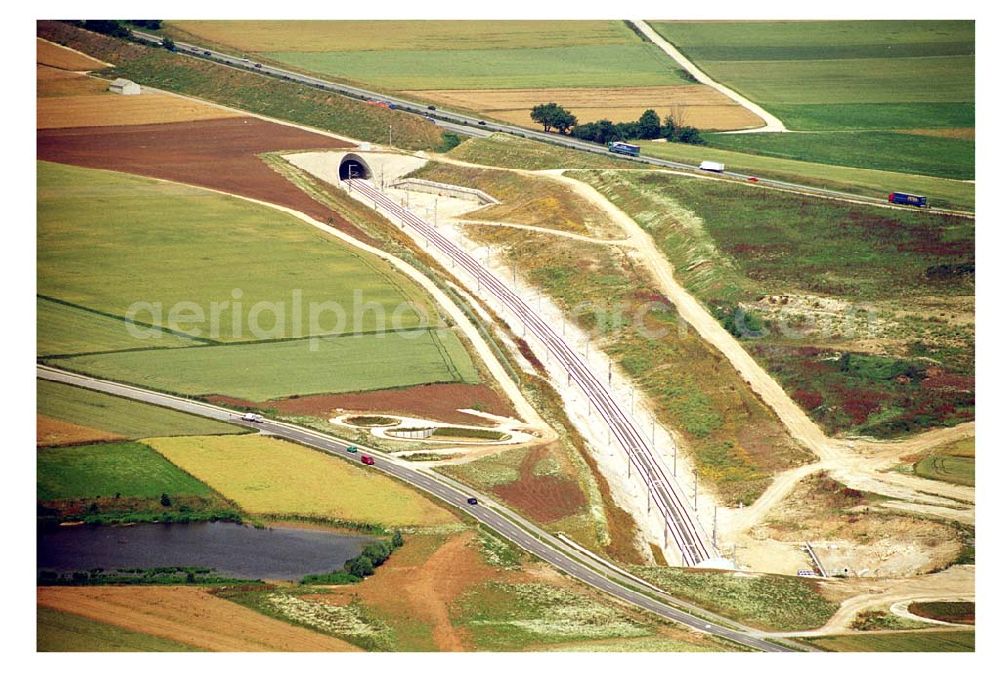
{"x": 449, "y": 492}
{"x": 683, "y": 527}
{"x": 475, "y": 126}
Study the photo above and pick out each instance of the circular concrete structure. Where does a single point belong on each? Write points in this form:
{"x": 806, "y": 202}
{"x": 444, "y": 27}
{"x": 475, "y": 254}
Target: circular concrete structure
{"x": 353, "y": 167}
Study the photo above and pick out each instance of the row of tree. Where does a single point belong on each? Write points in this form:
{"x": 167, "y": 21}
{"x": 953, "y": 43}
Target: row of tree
{"x": 648, "y": 126}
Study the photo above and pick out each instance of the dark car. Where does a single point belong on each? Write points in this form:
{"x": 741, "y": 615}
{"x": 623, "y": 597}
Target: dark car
{"x": 432, "y": 108}
{"x": 482, "y": 122}
{"x": 207, "y": 53}
{"x": 472, "y": 500}
{"x": 256, "y": 65}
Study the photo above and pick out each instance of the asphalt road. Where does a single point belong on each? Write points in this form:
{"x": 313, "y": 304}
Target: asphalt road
{"x": 475, "y": 126}
{"x": 518, "y": 531}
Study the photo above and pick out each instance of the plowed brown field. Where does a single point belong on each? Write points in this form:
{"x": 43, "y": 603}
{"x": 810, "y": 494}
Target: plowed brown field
{"x": 544, "y": 498}
{"x": 438, "y": 401}
{"x": 58, "y": 56}
{"x": 217, "y": 154}
{"x": 192, "y": 616}
{"x": 698, "y": 105}
{"x": 52, "y": 432}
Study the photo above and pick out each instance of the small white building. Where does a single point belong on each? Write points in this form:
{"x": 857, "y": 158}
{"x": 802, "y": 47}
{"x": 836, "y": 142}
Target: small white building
{"x": 123, "y": 86}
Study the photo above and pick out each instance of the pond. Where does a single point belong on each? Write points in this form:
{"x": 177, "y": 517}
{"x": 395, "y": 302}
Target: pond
{"x": 278, "y": 553}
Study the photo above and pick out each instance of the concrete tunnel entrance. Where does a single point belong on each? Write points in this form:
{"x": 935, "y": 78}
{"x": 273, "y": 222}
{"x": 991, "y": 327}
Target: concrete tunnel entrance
{"x": 354, "y": 167}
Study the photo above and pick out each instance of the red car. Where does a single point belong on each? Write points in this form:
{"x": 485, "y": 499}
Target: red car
{"x": 367, "y": 460}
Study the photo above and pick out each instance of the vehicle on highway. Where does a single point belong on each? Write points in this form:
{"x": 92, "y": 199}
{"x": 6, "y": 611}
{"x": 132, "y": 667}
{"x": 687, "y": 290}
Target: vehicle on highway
{"x": 367, "y": 460}
{"x": 482, "y": 122}
{"x": 207, "y": 53}
{"x": 352, "y": 449}
{"x": 252, "y": 417}
{"x": 709, "y": 166}
{"x": 432, "y": 108}
{"x": 752, "y": 179}
{"x": 907, "y": 199}
{"x": 624, "y": 148}
{"x": 256, "y": 65}
{"x": 472, "y": 500}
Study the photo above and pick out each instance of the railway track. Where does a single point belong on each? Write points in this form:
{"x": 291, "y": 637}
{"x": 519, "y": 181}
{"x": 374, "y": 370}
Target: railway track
{"x": 681, "y": 526}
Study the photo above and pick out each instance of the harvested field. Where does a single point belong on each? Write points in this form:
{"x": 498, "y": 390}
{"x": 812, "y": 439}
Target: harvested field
{"x": 968, "y": 133}
{"x": 349, "y": 36}
{"x": 272, "y": 477}
{"x": 541, "y": 496}
{"x": 54, "y": 82}
{"x": 217, "y": 154}
{"x": 107, "y": 109}
{"x": 436, "y": 401}
{"x": 697, "y": 105}
{"x": 191, "y": 616}
{"x": 51, "y": 432}
{"x": 64, "y": 58}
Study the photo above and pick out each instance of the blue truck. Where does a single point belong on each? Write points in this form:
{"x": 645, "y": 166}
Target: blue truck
{"x": 623, "y": 148}
{"x": 907, "y": 199}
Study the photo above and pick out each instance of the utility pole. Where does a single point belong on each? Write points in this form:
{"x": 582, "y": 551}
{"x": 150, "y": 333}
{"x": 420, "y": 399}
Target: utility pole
{"x": 609, "y": 372}
{"x": 390, "y": 135}
{"x": 715, "y": 525}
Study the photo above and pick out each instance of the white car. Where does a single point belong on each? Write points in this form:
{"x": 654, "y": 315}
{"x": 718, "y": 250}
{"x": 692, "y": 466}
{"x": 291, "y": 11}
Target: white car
{"x": 252, "y": 417}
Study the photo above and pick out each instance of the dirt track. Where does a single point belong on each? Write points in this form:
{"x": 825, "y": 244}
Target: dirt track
{"x": 188, "y": 615}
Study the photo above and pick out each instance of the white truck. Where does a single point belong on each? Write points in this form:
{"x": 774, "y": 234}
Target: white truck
{"x": 709, "y": 166}
{"x": 252, "y": 417}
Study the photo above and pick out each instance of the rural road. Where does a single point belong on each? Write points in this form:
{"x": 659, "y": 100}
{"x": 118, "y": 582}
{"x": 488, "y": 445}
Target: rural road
{"x": 475, "y": 126}
{"x": 511, "y": 527}
{"x": 771, "y": 123}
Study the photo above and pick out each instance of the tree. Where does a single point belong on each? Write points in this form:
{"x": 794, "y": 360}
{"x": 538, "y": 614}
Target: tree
{"x": 165, "y": 500}
{"x": 360, "y": 566}
{"x": 397, "y": 539}
{"x": 669, "y": 129}
{"x": 550, "y": 115}
{"x": 648, "y": 126}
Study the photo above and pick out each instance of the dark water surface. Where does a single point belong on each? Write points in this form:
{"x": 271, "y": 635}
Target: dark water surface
{"x": 231, "y": 549}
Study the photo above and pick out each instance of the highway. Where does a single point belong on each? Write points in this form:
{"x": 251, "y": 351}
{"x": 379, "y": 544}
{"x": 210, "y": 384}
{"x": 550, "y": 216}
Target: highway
{"x": 523, "y": 534}
{"x": 475, "y": 126}
{"x": 683, "y": 528}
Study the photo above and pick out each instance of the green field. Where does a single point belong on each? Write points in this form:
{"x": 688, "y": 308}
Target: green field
{"x": 888, "y": 151}
{"x": 847, "y": 75}
{"x": 765, "y": 601}
{"x": 274, "y": 369}
{"x": 949, "y": 641}
{"x": 120, "y": 416}
{"x": 627, "y": 65}
{"x": 65, "y": 329}
{"x": 60, "y": 631}
{"x": 188, "y": 248}
{"x": 245, "y": 276}
{"x": 940, "y": 192}
{"x": 130, "y": 469}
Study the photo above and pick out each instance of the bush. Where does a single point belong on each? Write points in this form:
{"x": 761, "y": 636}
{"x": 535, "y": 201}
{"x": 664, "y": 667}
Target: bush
{"x": 360, "y": 566}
